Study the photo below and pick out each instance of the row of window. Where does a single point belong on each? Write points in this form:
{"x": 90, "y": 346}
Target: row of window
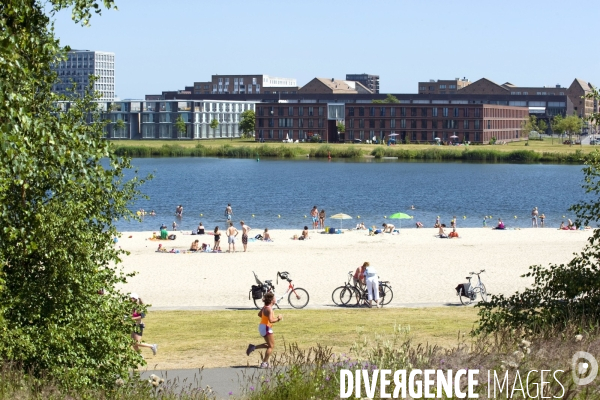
{"x": 289, "y": 123}
{"x": 308, "y": 111}
{"x": 414, "y": 111}
{"x": 445, "y": 124}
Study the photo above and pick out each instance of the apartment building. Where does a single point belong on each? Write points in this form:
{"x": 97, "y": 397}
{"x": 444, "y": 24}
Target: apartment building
{"x": 420, "y": 121}
{"x": 443, "y": 86}
{"x": 246, "y": 84}
{"x": 369, "y": 81}
{"x": 77, "y": 68}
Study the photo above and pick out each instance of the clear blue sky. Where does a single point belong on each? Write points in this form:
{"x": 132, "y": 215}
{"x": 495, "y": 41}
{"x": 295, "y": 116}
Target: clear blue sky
{"x": 169, "y": 44}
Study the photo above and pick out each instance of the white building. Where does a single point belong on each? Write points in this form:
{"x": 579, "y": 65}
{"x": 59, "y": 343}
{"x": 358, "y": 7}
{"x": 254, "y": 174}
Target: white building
{"x": 79, "y": 65}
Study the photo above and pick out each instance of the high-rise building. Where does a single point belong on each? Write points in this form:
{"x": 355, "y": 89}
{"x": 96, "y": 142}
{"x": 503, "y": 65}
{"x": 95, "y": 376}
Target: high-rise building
{"x": 78, "y": 67}
{"x": 371, "y": 82}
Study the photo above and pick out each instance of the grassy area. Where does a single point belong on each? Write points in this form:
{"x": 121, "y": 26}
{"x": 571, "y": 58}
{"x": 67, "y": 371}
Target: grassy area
{"x": 189, "y": 339}
{"x": 516, "y": 152}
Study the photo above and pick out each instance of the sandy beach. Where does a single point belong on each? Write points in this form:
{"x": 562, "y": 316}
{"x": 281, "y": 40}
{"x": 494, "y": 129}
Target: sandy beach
{"x": 422, "y": 268}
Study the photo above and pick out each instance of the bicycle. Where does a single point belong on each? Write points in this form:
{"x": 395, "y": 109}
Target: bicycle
{"x": 349, "y": 291}
{"x": 297, "y": 297}
{"x": 468, "y": 293}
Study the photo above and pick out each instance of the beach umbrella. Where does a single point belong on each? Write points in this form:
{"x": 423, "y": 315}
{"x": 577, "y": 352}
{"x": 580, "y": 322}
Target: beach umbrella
{"x": 393, "y": 134}
{"x": 400, "y": 216}
{"x": 341, "y": 217}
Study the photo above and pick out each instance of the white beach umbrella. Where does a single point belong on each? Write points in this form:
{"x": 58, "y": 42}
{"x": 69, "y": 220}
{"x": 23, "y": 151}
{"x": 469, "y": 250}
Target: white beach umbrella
{"x": 341, "y": 217}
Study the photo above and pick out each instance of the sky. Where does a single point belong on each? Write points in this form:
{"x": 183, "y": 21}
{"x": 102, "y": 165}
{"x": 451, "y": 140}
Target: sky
{"x": 167, "y": 45}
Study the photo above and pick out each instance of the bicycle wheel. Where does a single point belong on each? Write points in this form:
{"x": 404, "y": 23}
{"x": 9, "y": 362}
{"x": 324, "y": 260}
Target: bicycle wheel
{"x": 335, "y": 296}
{"x": 386, "y": 294}
{"x": 258, "y": 303}
{"x": 465, "y": 300}
{"x": 349, "y": 296}
{"x": 483, "y": 292}
{"x": 298, "y": 298}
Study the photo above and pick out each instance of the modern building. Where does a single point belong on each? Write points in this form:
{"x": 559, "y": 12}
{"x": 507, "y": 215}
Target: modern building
{"x": 77, "y": 68}
{"x": 369, "y": 81}
{"x": 567, "y": 101}
{"x": 442, "y": 86}
{"x": 422, "y": 122}
{"x": 246, "y": 84}
{"x": 148, "y": 120}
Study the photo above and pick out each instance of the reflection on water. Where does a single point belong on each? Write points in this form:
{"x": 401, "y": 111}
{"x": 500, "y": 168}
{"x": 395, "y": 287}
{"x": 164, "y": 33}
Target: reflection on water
{"x": 280, "y": 193}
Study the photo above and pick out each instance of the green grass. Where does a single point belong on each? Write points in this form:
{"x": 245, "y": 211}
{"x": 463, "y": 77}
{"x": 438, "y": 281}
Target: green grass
{"x": 190, "y": 339}
{"x": 516, "y": 152}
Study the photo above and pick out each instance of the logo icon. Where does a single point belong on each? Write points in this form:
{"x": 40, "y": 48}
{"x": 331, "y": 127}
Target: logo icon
{"x": 584, "y": 363}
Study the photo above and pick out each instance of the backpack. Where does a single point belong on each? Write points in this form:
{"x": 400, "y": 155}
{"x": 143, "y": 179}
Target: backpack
{"x": 172, "y": 237}
{"x": 463, "y": 289}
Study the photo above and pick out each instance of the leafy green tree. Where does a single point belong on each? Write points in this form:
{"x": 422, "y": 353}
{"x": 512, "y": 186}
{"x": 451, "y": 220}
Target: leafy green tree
{"x": 214, "y": 124}
{"x": 61, "y": 189}
{"x": 390, "y": 98}
{"x": 561, "y": 293}
{"x": 181, "y": 126}
{"x": 570, "y": 125}
{"x": 247, "y": 123}
{"x": 120, "y": 124}
{"x": 534, "y": 127}
{"x": 341, "y": 127}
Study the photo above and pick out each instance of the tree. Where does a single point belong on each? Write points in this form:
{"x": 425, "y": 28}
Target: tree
{"x": 61, "y": 189}
{"x": 534, "y": 125}
{"x": 247, "y": 123}
{"x": 214, "y": 124}
{"x": 120, "y": 124}
{"x": 569, "y": 125}
{"x": 181, "y": 126}
{"x": 561, "y": 294}
{"x": 341, "y": 127}
{"x": 390, "y": 98}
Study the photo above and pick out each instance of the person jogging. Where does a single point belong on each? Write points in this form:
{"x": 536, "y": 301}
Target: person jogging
{"x": 265, "y": 329}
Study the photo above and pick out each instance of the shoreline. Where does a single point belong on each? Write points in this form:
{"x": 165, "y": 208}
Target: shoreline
{"x": 421, "y": 268}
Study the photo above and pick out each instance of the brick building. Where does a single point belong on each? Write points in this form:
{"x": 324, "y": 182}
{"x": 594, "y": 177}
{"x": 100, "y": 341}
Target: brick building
{"x": 421, "y": 122}
{"x": 246, "y": 84}
{"x": 443, "y": 86}
{"x": 369, "y": 81}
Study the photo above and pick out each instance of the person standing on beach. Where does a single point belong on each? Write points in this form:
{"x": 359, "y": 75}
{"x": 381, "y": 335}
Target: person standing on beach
{"x": 228, "y": 212}
{"x": 179, "y": 211}
{"x": 534, "y": 216}
{"x": 322, "y": 218}
{"x": 217, "y": 244}
{"x": 314, "y": 213}
{"x": 231, "y": 234}
{"x": 542, "y": 218}
{"x": 265, "y": 329}
{"x": 245, "y": 231}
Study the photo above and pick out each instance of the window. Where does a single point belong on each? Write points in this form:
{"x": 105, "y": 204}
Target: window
{"x": 351, "y": 111}
{"x": 382, "y": 124}
{"x": 442, "y": 86}
{"x": 402, "y": 123}
{"x": 477, "y": 124}
{"x": 434, "y": 124}
{"x": 371, "y": 123}
{"x": 466, "y": 112}
{"x": 361, "y": 123}
{"x": 413, "y": 111}
{"x": 351, "y": 122}
{"x": 424, "y": 136}
{"x": 424, "y": 112}
{"x": 413, "y": 123}
{"x": 477, "y": 112}
{"x": 371, "y": 111}
{"x": 382, "y": 112}
{"x": 403, "y": 111}
{"x": 445, "y": 111}
{"x": 421, "y": 87}
{"x": 361, "y": 111}
{"x": 291, "y": 111}
{"x": 451, "y": 86}
{"x": 489, "y": 124}
{"x": 321, "y": 123}
{"x": 413, "y": 136}
{"x": 423, "y": 124}
{"x": 280, "y": 111}
{"x": 466, "y": 124}
{"x": 392, "y": 123}
{"x": 393, "y": 112}
{"x": 434, "y": 112}
{"x": 320, "y": 111}
{"x": 310, "y": 111}
{"x": 455, "y": 111}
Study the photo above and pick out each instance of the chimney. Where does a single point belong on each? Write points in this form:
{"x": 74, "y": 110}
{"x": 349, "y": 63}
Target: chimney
{"x": 332, "y": 79}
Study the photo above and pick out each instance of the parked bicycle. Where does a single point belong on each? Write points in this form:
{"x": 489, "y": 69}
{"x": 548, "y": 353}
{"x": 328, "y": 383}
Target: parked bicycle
{"x": 354, "y": 295}
{"x": 297, "y": 297}
{"x": 467, "y": 292}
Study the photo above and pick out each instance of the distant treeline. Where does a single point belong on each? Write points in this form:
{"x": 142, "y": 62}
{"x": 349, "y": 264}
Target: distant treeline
{"x": 474, "y": 153}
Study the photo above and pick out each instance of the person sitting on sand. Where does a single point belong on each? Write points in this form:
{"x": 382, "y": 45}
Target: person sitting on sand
{"x": 442, "y": 232}
{"x": 571, "y": 226}
{"x": 304, "y": 234}
{"x": 164, "y": 234}
{"x": 200, "y": 229}
{"x": 388, "y": 228}
{"x": 361, "y": 226}
{"x": 562, "y": 226}
{"x": 437, "y": 222}
{"x": 453, "y": 234}
{"x": 266, "y": 236}
{"x": 195, "y": 245}
{"x": 419, "y": 224}
{"x": 500, "y": 224}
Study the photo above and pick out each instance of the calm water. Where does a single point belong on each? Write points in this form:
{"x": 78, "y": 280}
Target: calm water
{"x": 279, "y": 194}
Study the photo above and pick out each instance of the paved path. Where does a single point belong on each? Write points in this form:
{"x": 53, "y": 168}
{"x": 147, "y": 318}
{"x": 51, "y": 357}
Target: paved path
{"x": 313, "y": 307}
{"x": 223, "y": 381}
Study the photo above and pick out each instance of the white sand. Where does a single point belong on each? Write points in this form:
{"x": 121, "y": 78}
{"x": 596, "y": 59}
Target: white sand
{"x": 421, "y": 268}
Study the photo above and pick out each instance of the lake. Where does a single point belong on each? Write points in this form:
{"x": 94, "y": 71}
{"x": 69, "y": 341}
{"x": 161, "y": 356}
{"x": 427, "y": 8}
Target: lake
{"x": 280, "y": 193}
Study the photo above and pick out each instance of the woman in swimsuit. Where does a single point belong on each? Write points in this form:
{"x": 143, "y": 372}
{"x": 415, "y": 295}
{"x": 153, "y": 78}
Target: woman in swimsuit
{"x": 265, "y": 329}
{"x": 322, "y": 219}
{"x": 217, "y": 239}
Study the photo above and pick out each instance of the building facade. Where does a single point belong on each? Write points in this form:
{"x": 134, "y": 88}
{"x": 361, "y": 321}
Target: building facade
{"x": 246, "y": 84}
{"x": 443, "y": 86}
{"x": 77, "y": 68}
{"x": 369, "y": 81}
{"x": 418, "y": 121}
{"x": 149, "y": 120}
